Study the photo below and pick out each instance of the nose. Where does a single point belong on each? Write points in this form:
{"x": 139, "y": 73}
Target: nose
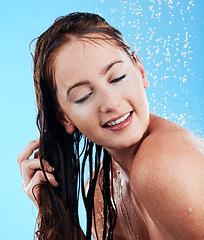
{"x": 109, "y": 102}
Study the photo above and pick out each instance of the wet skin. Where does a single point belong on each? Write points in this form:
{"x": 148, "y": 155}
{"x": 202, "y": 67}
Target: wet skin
{"x": 101, "y": 92}
{"x": 158, "y": 200}
{"x": 160, "y": 189}
{"x": 102, "y": 95}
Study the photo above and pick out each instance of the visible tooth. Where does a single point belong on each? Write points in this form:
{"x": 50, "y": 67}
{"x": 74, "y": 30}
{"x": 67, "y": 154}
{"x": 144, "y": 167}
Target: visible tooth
{"x": 118, "y": 121}
{"x": 122, "y": 119}
{"x": 127, "y": 115}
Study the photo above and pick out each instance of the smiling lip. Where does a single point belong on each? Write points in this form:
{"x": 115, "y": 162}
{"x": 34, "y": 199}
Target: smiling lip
{"x": 119, "y": 123}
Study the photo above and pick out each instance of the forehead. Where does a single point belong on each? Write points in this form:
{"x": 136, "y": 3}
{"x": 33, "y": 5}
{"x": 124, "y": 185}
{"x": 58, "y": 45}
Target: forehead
{"x": 83, "y": 56}
{"x": 79, "y": 49}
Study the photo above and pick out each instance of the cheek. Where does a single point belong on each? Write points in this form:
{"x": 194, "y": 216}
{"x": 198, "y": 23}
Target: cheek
{"x": 87, "y": 121}
{"x": 138, "y": 99}
{"x": 83, "y": 117}
{"x": 136, "y": 92}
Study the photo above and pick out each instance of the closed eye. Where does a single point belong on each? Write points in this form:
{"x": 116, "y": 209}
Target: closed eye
{"x": 118, "y": 79}
{"x": 81, "y": 100}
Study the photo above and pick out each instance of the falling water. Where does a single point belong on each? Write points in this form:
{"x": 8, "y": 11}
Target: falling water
{"x": 166, "y": 36}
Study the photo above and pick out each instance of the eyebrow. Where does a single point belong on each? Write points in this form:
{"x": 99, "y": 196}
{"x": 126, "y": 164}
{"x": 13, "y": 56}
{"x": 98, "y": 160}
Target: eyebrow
{"x": 107, "y": 68}
{"x": 103, "y": 72}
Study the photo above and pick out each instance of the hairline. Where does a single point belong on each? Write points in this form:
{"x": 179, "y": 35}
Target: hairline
{"x": 90, "y": 38}
{"x": 87, "y": 38}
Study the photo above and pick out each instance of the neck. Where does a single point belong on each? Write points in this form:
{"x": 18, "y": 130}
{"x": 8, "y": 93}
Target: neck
{"x": 124, "y": 157}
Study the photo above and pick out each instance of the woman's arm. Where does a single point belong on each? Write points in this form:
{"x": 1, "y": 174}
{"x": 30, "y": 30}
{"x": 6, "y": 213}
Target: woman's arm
{"x": 168, "y": 177}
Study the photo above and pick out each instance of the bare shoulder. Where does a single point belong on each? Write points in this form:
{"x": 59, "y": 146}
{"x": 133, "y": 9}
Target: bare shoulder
{"x": 170, "y": 139}
{"x": 168, "y": 176}
{"x": 164, "y": 129}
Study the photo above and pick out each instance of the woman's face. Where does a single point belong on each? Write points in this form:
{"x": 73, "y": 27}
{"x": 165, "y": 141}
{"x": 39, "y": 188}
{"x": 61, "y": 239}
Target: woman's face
{"x": 101, "y": 92}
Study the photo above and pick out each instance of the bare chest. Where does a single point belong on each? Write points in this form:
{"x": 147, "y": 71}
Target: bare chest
{"x": 133, "y": 222}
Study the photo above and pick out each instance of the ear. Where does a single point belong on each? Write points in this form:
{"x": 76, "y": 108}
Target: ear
{"x": 66, "y": 123}
{"x": 139, "y": 65}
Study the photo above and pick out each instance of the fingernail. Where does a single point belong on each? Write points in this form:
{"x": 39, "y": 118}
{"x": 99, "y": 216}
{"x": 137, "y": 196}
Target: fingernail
{"x": 51, "y": 168}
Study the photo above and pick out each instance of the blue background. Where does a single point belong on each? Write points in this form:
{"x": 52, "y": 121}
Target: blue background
{"x": 168, "y": 37}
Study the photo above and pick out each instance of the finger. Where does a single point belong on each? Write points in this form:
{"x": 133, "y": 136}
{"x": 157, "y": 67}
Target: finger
{"x": 38, "y": 178}
{"x": 27, "y": 151}
{"x": 30, "y": 166}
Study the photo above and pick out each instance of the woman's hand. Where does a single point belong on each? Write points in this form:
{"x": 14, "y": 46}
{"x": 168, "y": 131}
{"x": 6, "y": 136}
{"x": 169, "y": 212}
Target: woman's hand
{"x": 31, "y": 171}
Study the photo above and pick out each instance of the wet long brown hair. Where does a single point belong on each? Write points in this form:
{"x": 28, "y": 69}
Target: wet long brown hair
{"x": 58, "y": 216}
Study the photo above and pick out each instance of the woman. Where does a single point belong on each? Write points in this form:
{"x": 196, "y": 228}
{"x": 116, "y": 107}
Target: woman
{"x": 146, "y": 174}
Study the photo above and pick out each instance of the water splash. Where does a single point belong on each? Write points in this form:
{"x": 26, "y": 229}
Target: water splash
{"x": 163, "y": 33}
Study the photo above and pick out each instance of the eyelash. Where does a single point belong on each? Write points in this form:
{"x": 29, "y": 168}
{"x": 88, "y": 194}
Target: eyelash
{"x": 81, "y": 100}
{"x": 118, "y": 79}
